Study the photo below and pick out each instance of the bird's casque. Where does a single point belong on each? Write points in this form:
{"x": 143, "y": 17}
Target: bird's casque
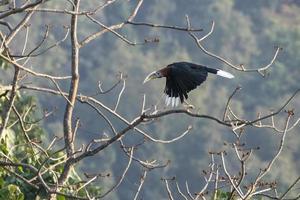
{"x": 181, "y": 78}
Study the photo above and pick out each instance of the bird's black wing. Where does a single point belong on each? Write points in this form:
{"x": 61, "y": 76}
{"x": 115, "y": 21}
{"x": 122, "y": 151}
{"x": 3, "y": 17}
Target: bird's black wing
{"x": 183, "y": 78}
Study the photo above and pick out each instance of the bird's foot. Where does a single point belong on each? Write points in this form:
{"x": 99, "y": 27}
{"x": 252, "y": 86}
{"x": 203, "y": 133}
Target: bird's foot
{"x": 188, "y": 106}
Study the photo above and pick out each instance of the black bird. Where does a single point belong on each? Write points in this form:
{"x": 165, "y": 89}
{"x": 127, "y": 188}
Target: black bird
{"x": 181, "y": 78}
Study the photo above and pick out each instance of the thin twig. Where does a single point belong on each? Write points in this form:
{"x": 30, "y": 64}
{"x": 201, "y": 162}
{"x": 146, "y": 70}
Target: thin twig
{"x": 93, "y": 36}
{"x": 21, "y": 9}
{"x": 228, "y": 101}
{"x": 178, "y": 28}
{"x": 142, "y": 180}
{"x": 180, "y": 192}
{"x": 264, "y": 172}
{"x": 236, "y": 188}
{"x": 122, "y": 176}
{"x": 31, "y": 71}
{"x": 240, "y": 67}
{"x": 120, "y": 94}
{"x": 168, "y": 190}
{"x": 289, "y": 189}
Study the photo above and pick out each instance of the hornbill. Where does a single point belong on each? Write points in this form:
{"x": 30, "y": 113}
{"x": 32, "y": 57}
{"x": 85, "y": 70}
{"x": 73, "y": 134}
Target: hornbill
{"x": 181, "y": 78}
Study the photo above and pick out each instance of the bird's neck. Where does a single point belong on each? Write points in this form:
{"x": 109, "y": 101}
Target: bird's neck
{"x": 165, "y": 71}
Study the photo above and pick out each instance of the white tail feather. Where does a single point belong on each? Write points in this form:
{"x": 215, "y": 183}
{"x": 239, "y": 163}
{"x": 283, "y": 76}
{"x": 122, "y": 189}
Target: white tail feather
{"x": 224, "y": 74}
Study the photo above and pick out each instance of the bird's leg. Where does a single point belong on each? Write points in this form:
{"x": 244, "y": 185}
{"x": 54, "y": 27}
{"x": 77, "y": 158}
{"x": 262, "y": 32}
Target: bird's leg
{"x": 187, "y": 105}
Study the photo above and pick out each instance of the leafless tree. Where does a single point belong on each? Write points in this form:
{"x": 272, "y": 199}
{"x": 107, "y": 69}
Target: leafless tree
{"x": 217, "y": 176}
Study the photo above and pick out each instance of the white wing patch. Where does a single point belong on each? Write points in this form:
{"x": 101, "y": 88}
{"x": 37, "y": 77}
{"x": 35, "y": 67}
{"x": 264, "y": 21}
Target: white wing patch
{"x": 173, "y": 101}
{"x": 168, "y": 100}
{"x": 177, "y": 101}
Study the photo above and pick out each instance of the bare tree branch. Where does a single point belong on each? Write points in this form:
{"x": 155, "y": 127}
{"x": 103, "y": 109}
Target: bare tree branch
{"x": 21, "y": 9}
{"x": 68, "y": 129}
{"x": 260, "y": 70}
{"x": 112, "y": 27}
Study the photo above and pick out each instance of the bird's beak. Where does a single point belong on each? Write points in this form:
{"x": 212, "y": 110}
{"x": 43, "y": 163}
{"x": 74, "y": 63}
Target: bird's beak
{"x": 151, "y": 76}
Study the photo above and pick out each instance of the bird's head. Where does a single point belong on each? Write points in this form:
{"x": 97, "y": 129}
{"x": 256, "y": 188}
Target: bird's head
{"x": 153, "y": 75}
